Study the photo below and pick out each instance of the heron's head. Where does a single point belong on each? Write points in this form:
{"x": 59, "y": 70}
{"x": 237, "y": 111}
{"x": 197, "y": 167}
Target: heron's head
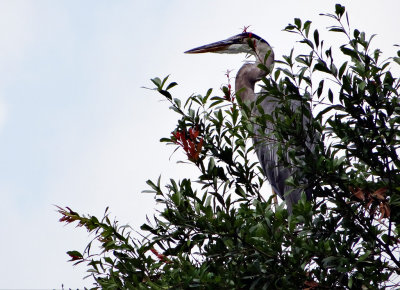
{"x": 245, "y": 42}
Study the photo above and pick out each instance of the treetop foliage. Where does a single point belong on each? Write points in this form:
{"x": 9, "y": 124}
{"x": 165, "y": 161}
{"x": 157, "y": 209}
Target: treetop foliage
{"x": 222, "y": 231}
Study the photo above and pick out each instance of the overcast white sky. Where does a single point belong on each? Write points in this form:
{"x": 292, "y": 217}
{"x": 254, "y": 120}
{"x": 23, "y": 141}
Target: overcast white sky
{"x": 77, "y": 129}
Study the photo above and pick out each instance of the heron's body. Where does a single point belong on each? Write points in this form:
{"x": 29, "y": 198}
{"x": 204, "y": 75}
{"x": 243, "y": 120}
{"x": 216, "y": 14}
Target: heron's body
{"x": 246, "y": 78}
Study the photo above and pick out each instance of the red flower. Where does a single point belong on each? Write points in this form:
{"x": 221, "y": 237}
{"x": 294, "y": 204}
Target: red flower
{"x": 161, "y": 257}
{"x": 189, "y": 142}
{"x": 67, "y": 217}
{"x": 229, "y": 96}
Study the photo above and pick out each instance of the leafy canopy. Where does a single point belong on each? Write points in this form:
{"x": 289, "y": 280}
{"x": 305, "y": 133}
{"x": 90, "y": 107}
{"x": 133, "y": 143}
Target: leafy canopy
{"x": 222, "y": 231}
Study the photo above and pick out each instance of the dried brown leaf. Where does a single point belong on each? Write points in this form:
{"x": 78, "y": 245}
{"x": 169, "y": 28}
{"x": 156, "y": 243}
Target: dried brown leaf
{"x": 310, "y": 285}
{"x": 359, "y": 193}
{"x": 380, "y": 193}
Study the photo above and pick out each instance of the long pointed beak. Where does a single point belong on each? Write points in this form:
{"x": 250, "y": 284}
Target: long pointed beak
{"x": 218, "y": 46}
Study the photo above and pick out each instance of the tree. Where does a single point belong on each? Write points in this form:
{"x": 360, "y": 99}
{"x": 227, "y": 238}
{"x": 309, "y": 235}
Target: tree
{"x": 222, "y": 231}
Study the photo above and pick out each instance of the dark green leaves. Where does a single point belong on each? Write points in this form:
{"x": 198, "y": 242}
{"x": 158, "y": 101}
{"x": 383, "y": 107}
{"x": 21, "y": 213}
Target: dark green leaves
{"x": 160, "y": 86}
{"x": 337, "y": 125}
{"x": 330, "y": 95}
{"x": 321, "y": 66}
{"x": 297, "y": 22}
{"x": 320, "y": 88}
{"x": 306, "y": 27}
{"x": 339, "y": 10}
{"x": 316, "y": 37}
{"x": 350, "y": 52}
{"x": 342, "y": 69}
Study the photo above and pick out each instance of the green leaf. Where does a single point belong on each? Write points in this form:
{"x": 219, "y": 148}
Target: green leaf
{"x": 157, "y": 82}
{"x": 171, "y": 85}
{"x": 165, "y": 94}
{"x": 277, "y": 73}
{"x": 320, "y": 88}
{"x": 177, "y": 102}
{"x": 308, "y": 42}
{"x": 164, "y": 81}
{"x": 365, "y": 256}
{"x": 306, "y": 27}
{"x": 350, "y": 283}
{"x": 356, "y": 33}
{"x": 377, "y": 53}
{"x": 336, "y": 29}
{"x": 330, "y": 95}
{"x": 328, "y": 261}
{"x": 207, "y": 96}
{"x": 264, "y": 68}
{"x": 290, "y": 27}
{"x": 342, "y": 69}
{"x": 146, "y": 228}
{"x": 297, "y": 22}
{"x": 350, "y": 52}
{"x": 316, "y": 37}
{"x": 154, "y": 186}
{"x": 75, "y": 256}
{"x": 339, "y": 10}
{"x": 321, "y": 66}
{"x": 211, "y": 165}
{"x": 362, "y": 85}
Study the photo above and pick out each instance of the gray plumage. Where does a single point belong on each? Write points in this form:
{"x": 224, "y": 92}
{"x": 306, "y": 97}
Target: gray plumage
{"x": 246, "y": 78}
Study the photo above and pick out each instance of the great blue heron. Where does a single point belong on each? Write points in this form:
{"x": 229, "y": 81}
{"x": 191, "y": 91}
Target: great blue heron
{"x": 246, "y": 78}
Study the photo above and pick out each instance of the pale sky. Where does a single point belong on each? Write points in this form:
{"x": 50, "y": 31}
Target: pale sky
{"x": 77, "y": 129}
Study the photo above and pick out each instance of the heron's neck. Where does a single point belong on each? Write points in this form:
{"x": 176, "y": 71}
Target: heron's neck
{"x": 246, "y": 79}
{"x": 249, "y": 73}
